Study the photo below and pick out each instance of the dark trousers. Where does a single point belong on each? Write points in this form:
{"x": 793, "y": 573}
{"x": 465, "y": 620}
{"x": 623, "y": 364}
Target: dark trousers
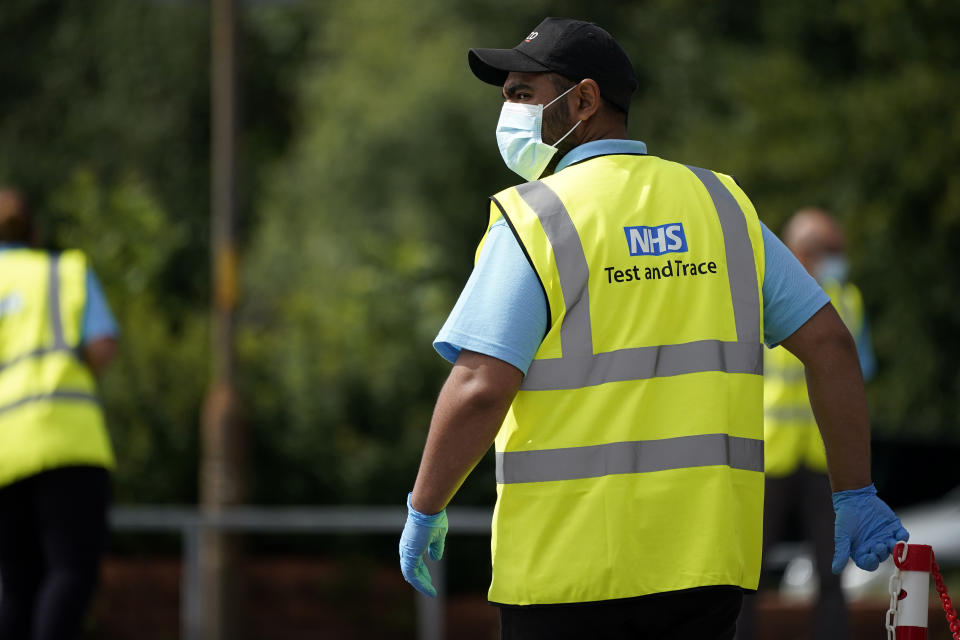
{"x": 706, "y": 613}
{"x": 804, "y": 495}
{"x": 52, "y": 532}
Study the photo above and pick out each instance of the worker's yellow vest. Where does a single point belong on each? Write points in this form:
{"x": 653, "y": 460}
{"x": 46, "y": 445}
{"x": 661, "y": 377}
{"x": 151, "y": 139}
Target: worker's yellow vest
{"x": 631, "y": 459}
{"x": 49, "y": 412}
{"x": 789, "y": 429}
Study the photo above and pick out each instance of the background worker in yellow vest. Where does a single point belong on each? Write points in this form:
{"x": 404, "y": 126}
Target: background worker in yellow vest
{"x": 56, "y": 333}
{"x": 609, "y": 344}
{"x": 797, "y": 486}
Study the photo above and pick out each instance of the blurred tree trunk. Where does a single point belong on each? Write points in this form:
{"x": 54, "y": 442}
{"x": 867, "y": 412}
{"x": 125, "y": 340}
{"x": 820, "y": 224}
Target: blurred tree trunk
{"x": 222, "y": 466}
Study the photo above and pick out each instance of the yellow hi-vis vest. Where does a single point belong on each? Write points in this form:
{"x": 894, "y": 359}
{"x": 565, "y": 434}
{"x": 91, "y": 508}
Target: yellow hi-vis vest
{"x": 631, "y": 460}
{"x": 49, "y": 413}
{"x": 789, "y": 429}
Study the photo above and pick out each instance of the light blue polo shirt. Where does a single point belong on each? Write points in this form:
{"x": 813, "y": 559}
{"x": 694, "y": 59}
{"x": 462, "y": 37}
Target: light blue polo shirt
{"x": 98, "y": 321}
{"x": 502, "y": 310}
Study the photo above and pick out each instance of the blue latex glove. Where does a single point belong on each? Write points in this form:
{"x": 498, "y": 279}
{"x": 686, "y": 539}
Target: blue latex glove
{"x": 422, "y": 533}
{"x": 865, "y": 528}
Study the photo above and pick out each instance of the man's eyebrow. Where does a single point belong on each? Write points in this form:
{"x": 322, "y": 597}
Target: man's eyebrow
{"x": 510, "y": 91}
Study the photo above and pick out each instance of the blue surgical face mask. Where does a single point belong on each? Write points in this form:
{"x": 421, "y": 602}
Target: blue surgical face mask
{"x": 519, "y": 137}
{"x": 832, "y": 268}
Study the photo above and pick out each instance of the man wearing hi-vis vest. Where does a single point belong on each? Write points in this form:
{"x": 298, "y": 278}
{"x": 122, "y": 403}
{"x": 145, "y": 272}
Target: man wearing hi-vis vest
{"x": 795, "y": 460}
{"x": 609, "y": 343}
{"x": 56, "y": 333}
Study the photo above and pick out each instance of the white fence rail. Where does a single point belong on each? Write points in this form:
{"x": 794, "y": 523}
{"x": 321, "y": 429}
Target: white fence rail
{"x": 191, "y": 523}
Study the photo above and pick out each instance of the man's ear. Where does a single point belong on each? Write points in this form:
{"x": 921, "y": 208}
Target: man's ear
{"x": 587, "y": 99}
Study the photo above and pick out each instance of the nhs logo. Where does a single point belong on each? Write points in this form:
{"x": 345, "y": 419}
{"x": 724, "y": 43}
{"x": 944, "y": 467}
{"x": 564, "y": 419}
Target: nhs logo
{"x": 656, "y": 241}
{"x": 10, "y": 304}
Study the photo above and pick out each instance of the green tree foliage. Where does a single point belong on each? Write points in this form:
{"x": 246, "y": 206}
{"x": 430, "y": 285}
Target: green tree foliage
{"x": 365, "y": 235}
{"x": 367, "y": 155}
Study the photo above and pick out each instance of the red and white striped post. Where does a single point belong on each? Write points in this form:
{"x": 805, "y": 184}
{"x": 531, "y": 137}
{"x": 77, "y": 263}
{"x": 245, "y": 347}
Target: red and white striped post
{"x": 914, "y": 562}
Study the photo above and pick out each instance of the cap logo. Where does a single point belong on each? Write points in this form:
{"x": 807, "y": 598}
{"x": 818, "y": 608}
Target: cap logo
{"x": 533, "y": 34}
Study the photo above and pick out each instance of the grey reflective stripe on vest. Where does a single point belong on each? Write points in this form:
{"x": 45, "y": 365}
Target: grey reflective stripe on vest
{"x": 741, "y": 268}
{"x": 788, "y": 374}
{"x": 551, "y": 465}
{"x": 80, "y": 396}
{"x": 798, "y": 413}
{"x": 36, "y": 353}
{"x": 642, "y": 363}
{"x": 575, "y": 333}
{"x": 580, "y": 367}
{"x": 56, "y": 319}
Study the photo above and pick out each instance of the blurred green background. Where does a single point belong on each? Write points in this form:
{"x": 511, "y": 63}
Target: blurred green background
{"x": 367, "y": 153}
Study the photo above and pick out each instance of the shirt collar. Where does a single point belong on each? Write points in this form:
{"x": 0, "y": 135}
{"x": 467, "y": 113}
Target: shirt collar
{"x": 603, "y": 147}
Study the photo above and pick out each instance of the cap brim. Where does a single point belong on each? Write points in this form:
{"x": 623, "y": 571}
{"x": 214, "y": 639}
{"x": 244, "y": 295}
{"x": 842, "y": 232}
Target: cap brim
{"x": 494, "y": 65}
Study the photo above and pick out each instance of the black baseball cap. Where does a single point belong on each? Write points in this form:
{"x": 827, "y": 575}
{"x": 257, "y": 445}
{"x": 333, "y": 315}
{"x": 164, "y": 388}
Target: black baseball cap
{"x": 573, "y": 48}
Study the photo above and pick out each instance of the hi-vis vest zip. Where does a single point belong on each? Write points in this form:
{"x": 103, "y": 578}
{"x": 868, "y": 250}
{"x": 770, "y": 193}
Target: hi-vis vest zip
{"x": 631, "y": 460}
{"x": 49, "y": 412}
{"x": 789, "y": 429}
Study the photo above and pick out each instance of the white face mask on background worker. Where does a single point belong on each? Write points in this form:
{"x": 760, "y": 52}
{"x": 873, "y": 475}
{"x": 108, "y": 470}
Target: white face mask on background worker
{"x": 832, "y": 268}
{"x": 519, "y": 136}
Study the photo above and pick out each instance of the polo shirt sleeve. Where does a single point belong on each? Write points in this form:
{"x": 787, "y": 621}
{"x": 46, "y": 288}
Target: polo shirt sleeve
{"x": 868, "y": 360}
{"x": 98, "y": 321}
{"x": 790, "y": 295}
{"x": 502, "y": 310}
